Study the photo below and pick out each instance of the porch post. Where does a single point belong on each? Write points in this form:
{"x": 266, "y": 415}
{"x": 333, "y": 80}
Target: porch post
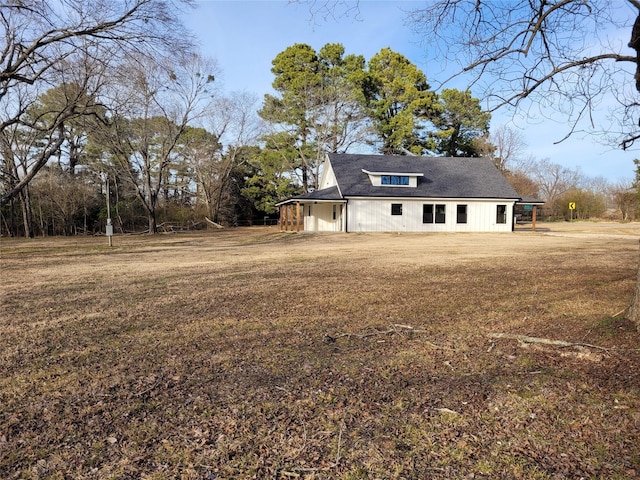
{"x": 286, "y": 217}
{"x": 281, "y": 216}
{"x": 533, "y": 219}
{"x": 298, "y": 217}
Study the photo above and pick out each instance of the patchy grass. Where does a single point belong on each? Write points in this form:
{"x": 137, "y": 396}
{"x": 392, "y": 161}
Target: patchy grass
{"x": 251, "y": 353}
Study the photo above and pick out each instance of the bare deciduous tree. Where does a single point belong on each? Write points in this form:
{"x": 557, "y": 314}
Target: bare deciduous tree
{"x": 51, "y": 43}
{"x": 509, "y": 147}
{"x": 553, "y": 181}
{"x": 626, "y": 200}
{"x": 562, "y": 56}
{"x": 156, "y": 101}
{"x": 234, "y": 121}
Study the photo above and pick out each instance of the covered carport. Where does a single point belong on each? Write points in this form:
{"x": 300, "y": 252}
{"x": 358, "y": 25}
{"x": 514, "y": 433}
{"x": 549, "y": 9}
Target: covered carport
{"x": 530, "y": 204}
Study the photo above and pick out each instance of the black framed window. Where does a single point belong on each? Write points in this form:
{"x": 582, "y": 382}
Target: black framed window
{"x": 461, "y": 214}
{"x": 501, "y": 214}
{"x": 396, "y": 209}
{"x": 427, "y": 213}
{"x": 440, "y": 213}
{"x": 434, "y": 213}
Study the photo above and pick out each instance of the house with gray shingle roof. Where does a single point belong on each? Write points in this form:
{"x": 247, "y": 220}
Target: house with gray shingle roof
{"x": 388, "y": 193}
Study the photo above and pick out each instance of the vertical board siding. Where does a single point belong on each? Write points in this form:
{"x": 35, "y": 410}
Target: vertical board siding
{"x": 366, "y": 215}
{"x": 321, "y": 218}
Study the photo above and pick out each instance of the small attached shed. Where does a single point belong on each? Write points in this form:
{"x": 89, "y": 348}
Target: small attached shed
{"x": 319, "y": 211}
{"x": 388, "y": 193}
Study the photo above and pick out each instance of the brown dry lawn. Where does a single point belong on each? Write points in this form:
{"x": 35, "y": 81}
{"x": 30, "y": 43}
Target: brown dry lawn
{"x": 252, "y": 353}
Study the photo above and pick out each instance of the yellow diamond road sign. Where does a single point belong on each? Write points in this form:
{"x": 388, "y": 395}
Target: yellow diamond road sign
{"x": 572, "y": 205}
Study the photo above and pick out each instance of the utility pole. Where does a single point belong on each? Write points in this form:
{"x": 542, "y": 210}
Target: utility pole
{"x": 109, "y": 225}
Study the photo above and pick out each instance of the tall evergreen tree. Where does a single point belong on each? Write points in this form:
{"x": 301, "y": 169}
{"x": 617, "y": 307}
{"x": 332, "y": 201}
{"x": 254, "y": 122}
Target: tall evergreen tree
{"x": 460, "y": 124}
{"x": 271, "y": 180}
{"x": 319, "y": 106}
{"x": 400, "y": 104}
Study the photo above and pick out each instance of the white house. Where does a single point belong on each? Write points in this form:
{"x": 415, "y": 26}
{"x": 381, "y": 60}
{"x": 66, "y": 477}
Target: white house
{"x": 388, "y": 193}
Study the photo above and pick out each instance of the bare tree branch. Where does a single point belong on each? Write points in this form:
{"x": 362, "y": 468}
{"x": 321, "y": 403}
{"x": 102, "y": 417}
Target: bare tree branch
{"x": 72, "y": 41}
{"x": 567, "y": 54}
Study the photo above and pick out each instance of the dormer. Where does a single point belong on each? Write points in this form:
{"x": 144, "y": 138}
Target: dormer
{"x": 393, "y": 179}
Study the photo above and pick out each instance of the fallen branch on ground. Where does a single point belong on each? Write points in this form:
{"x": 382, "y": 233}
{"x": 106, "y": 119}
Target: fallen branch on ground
{"x": 447, "y": 410}
{"x": 217, "y": 225}
{"x": 620, "y": 312}
{"x": 395, "y": 328}
{"x": 546, "y": 341}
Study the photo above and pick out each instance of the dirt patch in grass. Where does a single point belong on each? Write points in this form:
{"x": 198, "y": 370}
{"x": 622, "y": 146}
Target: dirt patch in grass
{"x": 253, "y": 353}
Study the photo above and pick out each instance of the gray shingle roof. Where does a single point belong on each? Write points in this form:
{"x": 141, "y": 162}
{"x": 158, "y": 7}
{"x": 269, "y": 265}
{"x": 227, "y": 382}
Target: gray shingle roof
{"x": 326, "y": 194}
{"x": 444, "y": 177}
{"x": 531, "y": 201}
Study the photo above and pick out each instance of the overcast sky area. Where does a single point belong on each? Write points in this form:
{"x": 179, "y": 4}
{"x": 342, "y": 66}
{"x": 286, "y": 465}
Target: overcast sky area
{"x": 245, "y": 36}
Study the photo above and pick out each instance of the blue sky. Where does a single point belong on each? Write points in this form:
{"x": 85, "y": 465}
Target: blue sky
{"x": 245, "y": 36}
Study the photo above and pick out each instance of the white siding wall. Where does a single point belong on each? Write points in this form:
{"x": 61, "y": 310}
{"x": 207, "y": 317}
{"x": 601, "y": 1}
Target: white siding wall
{"x": 321, "y": 218}
{"x": 328, "y": 178}
{"x": 367, "y": 215}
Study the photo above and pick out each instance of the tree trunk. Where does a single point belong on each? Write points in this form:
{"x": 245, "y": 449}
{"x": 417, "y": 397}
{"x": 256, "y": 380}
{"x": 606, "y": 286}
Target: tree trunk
{"x": 151, "y": 216}
{"x": 27, "y": 216}
{"x": 14, "y": 231}
{"x": 633, "y": 313}
{"x": 151, "y": 212}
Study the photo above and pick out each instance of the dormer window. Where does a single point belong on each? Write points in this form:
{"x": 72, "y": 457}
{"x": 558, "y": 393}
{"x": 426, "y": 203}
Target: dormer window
{"x": 395, "y": 180}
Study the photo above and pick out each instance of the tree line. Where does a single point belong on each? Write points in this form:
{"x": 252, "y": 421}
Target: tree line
{"x": 558, "y": 185}
{"x": 95, "y": 100}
